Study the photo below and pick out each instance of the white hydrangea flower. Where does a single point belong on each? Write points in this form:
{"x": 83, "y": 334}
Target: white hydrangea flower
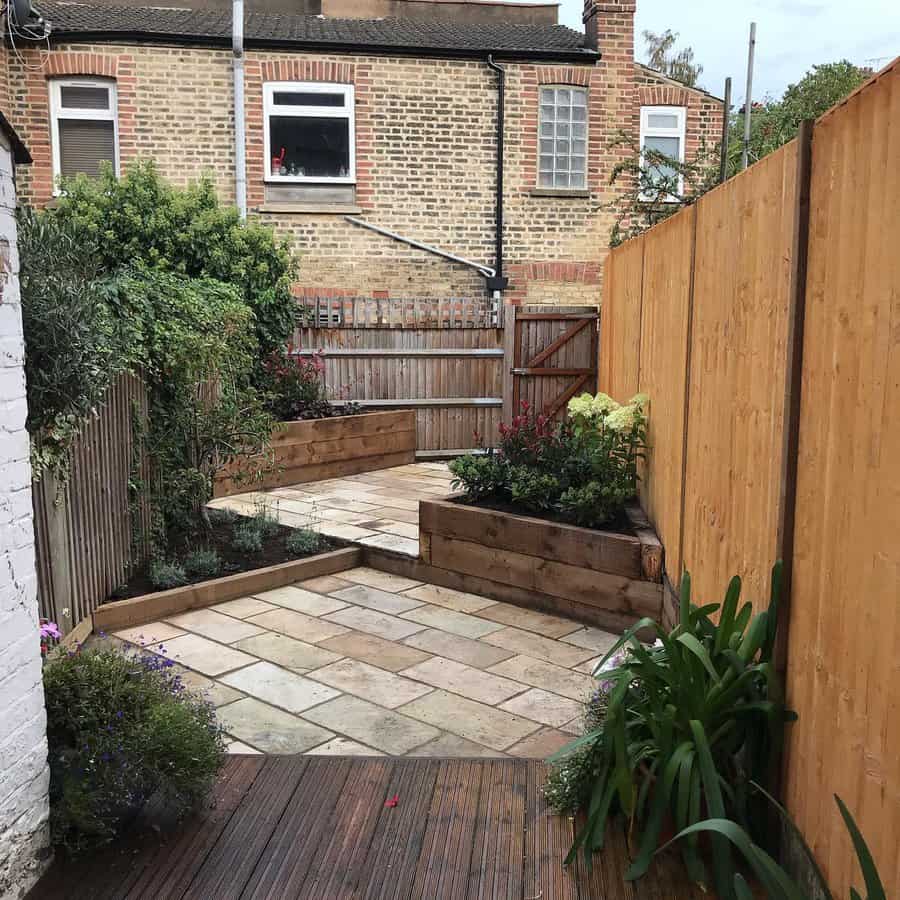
{"x": 603, "y": 403}
{"x": 581, "y": 406}
{"x": 622, "y": 419}
{"x": 639, "y": 400}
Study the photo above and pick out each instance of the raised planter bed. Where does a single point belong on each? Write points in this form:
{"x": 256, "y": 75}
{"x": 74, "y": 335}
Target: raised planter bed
{"x": 602, "y": 578}
{"x": 316, "y": 449}
{"x": 150, "y": 607}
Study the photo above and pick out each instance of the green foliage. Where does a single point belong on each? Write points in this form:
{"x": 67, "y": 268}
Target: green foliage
{"x": 140, "y": 219}
{"x": 775, "y": 122}
{"x": 265, "y": 522}
{"x": 73, "y": 345}
{"x": 584, "y": 468}
{"x": 165, "y": 575}
{"x": 247, "y": 537}
{"x": 203, "y": 563}
{"x": 302, "y": 542}
{"x": 777, "y": 883}
{"x": 678, "y": 65}
{"x": 690, "y": 723}
{"x": 122, "y": 729}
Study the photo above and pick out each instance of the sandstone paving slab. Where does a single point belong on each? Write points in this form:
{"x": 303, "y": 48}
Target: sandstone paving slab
{"x": 375, "y": 578}
{"x": 214, "y": 625}
{"x": 542, "y": 706}
{"x": 541, "y": 744}
{"x": 530, "y": 620}
{"x": 344, "y": 531}
{"x": 462, "y": 679}
{"x": 410, "y": 516}
{"x": 341, "y": 746}
{"x": 298, "y": 625}
{"x": 153, "y": 633}
{"x": 373, "y": 622}
{"x": 279, "y": 687}
{"x": 205, "y": 656}
{"x": 592, "y": 639}
{"x": 324, "y": 584}
{"x": 535, "y": 645}
{"x": 392, "y": 526}
{"x": 375, "y": 650}
{"x": 393, "y": 542}
{"x": 384, "y": 729}
{"x": 214, "y": 691}
{"x": 449, "y": 620}
{"x": 269, "y": 729}
{"x": 341, "y": 516}
{"x": 373, "y": 598}
{"x": 410, "y": 504}
{"x": 238, "y": 747}
{"x": 451, "y": 745}
{"x": 371, "y": 683}
{"x": 453, "y": 646}
{"x": 541, "y": 674}
{"x": 474, "y": 721}
{"x": 243, "y": 607}
{"x": 450, "y": 599}
{"x": 300, "y": 600}
{"x": 589, "y": 665}
{"x": 287, "y": 652}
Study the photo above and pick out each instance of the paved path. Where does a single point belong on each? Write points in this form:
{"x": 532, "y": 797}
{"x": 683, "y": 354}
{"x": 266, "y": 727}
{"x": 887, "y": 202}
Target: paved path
{"x": 371, "y": 663}
{"x": 378, "y": 509}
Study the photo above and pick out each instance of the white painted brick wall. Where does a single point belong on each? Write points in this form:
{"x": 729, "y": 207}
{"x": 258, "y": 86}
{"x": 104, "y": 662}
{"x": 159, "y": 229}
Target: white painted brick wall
{"x": 24, "y": 776}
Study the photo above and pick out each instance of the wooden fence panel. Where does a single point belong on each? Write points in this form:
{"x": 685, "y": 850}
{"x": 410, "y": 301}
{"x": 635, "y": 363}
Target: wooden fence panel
{"x": 85, "y": 540}
{"x": 620, "y": 324}
{"x": 844, "y": 635}
{"x": 665, "y": 331}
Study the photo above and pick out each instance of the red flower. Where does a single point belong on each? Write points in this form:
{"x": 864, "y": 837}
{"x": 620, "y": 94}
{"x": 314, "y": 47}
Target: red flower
{"x": 393, "y": 801}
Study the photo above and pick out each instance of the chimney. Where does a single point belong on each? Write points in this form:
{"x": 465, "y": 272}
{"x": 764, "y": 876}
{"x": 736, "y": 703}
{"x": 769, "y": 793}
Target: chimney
{"x": 607, "y": 23}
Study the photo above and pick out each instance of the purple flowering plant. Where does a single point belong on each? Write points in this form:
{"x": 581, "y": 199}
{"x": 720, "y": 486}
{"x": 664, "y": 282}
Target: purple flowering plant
{"x": 122, "y": 728}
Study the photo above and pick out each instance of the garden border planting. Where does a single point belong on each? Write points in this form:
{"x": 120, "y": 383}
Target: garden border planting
{"x": 149, "y": 607}
{"x": 318, "y": 449}
{"x": 598, "y": 577}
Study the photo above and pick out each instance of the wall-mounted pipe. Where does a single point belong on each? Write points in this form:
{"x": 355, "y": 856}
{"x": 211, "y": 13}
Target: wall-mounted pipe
{"x": 499, "y": 282}
{"x": 240, "y": 131}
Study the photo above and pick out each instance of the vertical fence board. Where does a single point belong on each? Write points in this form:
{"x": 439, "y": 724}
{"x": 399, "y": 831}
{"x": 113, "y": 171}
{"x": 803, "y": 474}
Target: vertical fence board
{"x": 844, "y": 637}
{"x": 663, "y": 373}
{"x": 620, "y": 325}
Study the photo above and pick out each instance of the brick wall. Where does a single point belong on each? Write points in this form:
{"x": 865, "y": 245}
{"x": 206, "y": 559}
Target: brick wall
{"x": 425, "y": 142}
{"x": 24, "y": 775}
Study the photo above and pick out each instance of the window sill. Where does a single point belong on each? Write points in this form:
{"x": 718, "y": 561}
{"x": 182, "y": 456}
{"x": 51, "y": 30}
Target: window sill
{"x": 559, "y": 192}
{"x": 315, "y": 208}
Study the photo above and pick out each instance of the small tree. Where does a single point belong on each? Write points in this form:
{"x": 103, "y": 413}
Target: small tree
{"x": 679, "y": 64}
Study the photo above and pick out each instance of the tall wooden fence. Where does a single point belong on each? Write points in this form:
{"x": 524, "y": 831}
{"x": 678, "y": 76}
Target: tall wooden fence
{"x": 87, "y": 535}
{"x": 463, "y": 365}
{"x": 763, "y": 322}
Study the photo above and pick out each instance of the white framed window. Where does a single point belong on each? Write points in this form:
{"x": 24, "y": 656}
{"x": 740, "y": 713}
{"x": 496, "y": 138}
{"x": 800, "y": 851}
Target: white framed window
{"x": 562, "y": 142}
{"x": 83, "y": 125}
{"x": 662, "y": 130}
{"x": 309, "y": 132}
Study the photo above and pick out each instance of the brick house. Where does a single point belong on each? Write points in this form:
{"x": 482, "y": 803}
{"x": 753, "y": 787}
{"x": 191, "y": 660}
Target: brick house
{"x": 388, "y": 121}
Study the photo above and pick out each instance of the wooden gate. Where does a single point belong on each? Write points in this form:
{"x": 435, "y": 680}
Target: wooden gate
{"x": 554, "y": 356}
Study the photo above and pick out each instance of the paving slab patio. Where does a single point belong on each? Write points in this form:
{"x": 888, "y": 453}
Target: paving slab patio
{"x": 369, "y": 663}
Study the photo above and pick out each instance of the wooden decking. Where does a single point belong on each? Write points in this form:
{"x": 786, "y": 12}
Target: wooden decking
{"x": 317, "y": 827}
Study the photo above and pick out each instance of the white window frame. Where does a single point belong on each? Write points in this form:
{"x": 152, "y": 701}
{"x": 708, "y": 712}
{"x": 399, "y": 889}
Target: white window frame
{"x": 348, "y": 112}
{"x": 678, "y": 131}
{"x": 587, "y": 131}
{"x": 58, "y": 111}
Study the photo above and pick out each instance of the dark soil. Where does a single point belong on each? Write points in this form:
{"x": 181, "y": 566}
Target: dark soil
{"x": 220, "y": 539}
{"x": 619, "y": 525}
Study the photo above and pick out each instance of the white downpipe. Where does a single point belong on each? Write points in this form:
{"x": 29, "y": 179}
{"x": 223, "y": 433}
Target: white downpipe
{"x": 240, "y": 131}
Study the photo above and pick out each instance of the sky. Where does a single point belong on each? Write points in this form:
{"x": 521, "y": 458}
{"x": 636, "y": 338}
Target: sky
{"x": 791, "y": 36}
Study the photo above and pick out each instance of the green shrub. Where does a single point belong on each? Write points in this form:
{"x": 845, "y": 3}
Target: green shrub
{"x": 224, "y": 516}
{"x": 247, "y": 537}
{"x": 203, "y": 563}
{"x": 266, "y": 523}
{"x": 480, "y": 476}
{"x": 531, "y": 489}
{"x": 165, "y": 575}
{"x": 141, "y": 219}
{"x": 302, "y": 542}
{"x": 593, "y": 504}
{"x": 122, "y": 729}
{"x": 690, "y": 724}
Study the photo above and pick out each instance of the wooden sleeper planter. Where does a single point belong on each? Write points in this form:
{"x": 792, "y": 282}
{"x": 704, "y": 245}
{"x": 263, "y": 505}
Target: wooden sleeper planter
{"x": 317, "y": 449}
{"x": 598, "y": 577}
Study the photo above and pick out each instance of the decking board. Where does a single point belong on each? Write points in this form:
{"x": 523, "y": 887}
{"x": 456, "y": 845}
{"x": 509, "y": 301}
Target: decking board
{"x": 318, "y": 827}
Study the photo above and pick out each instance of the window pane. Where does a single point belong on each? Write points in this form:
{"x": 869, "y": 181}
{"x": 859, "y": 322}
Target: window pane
{"x": 576, "y": 180}
{"x": 578, "y": 129}
{"x": 546, "y": 163}
{"x": 659, "y": 170}
{"x": 304, "y": 98}
{"x": 659, "y": 120}
{"x": 547, "y": 113}
{"x": 546, "y": 129}
{"x": 561, "y": 179}
{"x": 84, "y": 144}
{"x": 579, "y": 113}
{"x": 579, "y": 147}
{"x": 562, "y": 129}
{"x": 315, "y": 148}
{"x": 546, "y": 146}
{"x": 546, "y": 179}
{"x": 547, "y": 95}
{"x": 83, "y": 97}
{"x": 579, "y": 98}
{"x": 563, "y": 96}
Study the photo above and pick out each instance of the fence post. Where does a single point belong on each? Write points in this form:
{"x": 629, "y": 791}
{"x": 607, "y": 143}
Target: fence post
{"x": 55, "y": 500}
{"x": 509, "y": 359}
